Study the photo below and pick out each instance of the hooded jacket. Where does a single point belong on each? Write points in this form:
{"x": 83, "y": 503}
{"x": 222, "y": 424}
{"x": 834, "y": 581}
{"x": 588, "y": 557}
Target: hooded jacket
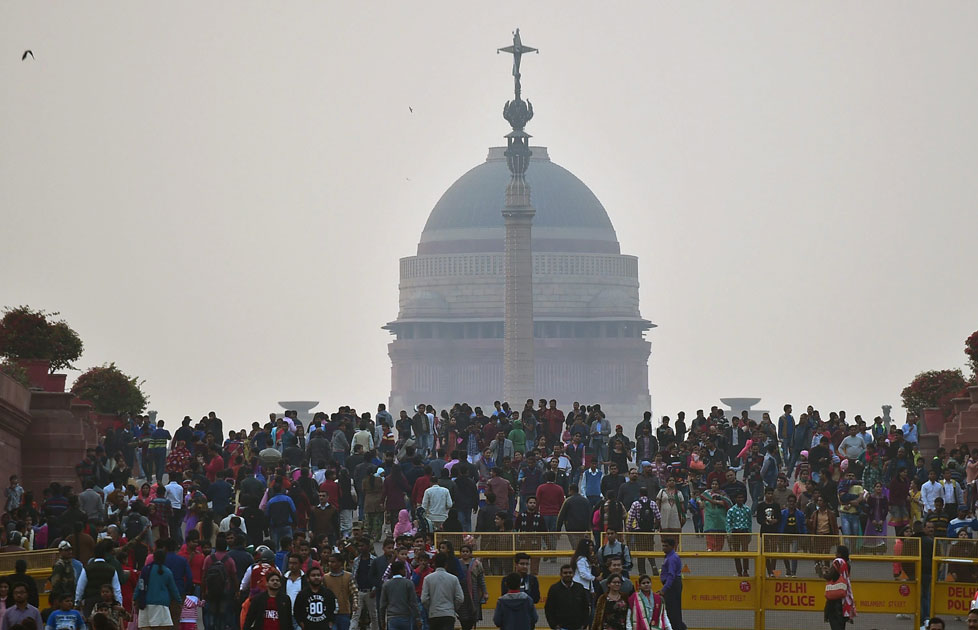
{"x": 515, "y": 611}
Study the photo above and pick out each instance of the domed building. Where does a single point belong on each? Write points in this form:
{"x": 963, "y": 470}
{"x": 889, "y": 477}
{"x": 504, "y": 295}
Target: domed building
{"x": 589, "y": 341}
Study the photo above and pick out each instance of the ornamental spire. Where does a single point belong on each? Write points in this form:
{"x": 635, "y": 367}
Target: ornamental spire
{"x": 517, "y": 112}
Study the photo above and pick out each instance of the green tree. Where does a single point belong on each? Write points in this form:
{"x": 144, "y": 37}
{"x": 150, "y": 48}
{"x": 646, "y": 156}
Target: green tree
{"x": 111, "y": 390}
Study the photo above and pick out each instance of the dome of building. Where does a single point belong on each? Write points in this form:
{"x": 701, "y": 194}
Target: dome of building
{"x": 588, "y": 330}
{"x": 468, "y": 216}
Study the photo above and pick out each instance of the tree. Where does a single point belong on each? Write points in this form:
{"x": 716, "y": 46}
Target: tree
{"x": 971, "y": 349}
{"x": 26, "y": 333}
{"x": 934, "y": 388}
{"x": 111, "y": 390}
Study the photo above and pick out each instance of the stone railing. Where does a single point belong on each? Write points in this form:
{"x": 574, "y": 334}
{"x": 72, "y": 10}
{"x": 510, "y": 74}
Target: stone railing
{"x": 614, "y": 265}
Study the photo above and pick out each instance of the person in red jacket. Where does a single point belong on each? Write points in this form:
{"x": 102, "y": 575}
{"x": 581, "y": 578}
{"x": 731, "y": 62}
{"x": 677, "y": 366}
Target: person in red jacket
{"x": 550, "y": 498}
{"x": 215, "y": 465}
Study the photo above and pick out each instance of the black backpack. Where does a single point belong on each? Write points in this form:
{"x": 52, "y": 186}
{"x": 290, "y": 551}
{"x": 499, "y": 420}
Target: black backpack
{"x": 134, "y": 526}
{"x": 646, "y": 516}
{"x": 216, "y": 580}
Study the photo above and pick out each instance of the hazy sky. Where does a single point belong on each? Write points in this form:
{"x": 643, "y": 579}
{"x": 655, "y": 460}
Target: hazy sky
{"x": 216, "y": 195}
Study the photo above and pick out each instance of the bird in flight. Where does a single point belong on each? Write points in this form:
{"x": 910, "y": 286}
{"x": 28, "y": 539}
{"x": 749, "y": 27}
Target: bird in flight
{"x": 24, "y": 56}
{"x": 410, "y": 109}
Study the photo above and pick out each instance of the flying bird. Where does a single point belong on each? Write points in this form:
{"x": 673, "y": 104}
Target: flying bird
{"x": 24, "y": 56}
{"x": 410, "y": 109}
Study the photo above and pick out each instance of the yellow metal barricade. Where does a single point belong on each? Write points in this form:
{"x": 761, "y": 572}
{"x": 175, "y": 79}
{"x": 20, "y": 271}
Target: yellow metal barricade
{"x": 496, "y": 551}
{"x": 954, "y": 576}
{"x": 719, "y": 575}
{"x": 39, "y": 565}
{"x": 885, "y": 579}
{"x": 765, "y": 582}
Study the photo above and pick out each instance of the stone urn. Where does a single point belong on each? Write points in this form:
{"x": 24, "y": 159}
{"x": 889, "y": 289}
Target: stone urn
{"x": 38, "y": 372}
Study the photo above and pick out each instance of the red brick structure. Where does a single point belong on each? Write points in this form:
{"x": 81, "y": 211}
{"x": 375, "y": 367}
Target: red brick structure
{"x": 15, "y": 421}
{"x": 962, "y": 427}
{"x": 44, "y": 431}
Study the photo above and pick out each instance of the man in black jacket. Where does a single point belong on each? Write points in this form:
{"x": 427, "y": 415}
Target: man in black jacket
{"x": 466, "y": 497}
{"x": 272, "y": 606}
{"x": 377, "y": 569}
{"x": 315, "y": 605}
{"x": 528, "y": 582}
{"x": 567, "y": 602}
{"x": 575, "y": 514}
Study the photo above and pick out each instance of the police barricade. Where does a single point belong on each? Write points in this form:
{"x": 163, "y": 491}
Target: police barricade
{"x": 496, "y": 551}
{"x": 719, "y": 571}
{"x": 885, "y": 578}
{"x": 39, "y": 565}
{"x": 954, "y": 576}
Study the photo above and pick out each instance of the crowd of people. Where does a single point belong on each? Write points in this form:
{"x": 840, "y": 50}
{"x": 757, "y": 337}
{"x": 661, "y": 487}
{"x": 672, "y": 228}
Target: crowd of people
{"x": 311, "y": 526}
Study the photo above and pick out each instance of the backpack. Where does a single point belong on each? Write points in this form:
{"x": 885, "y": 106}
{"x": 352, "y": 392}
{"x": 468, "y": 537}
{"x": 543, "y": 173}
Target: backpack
{"x": 259, "y": 575}
{"x": 134, "y": 526}
{"x": 646, "y": 516}
{"x": 216, "y": 582}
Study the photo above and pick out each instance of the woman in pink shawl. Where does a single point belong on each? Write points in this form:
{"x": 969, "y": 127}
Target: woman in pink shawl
{"x": 646, "y": 610}
{"x": 403, "y": 525}
{"x": 839, "y": 612}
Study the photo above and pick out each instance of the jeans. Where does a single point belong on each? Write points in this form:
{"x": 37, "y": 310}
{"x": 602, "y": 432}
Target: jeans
{"x": 217, "y": 616}
{"x": 551, "y": 522}
{"x": 341, "y": 622}
{"x": 176, "y": 524}
{"x": 465, "y": 518}
{"x": 399, "y": 623}
{"x": 368, "y": 606}
{"x": 278, "y": 533}
{"x": 159, "y": 463}
{"x": 925, "y": 596}
{"x": 849, "y": 524}
{"x": 600, "y": 450}
{"x": 340, "y": 458}
{"x": 756, "y": 493}
{"x": 346, "y": 522}
{"x": 147, "y": 466}
{"x": 424, "y": 617}
{"x": 424, "y": 443}
{"x": 674, "y": 604}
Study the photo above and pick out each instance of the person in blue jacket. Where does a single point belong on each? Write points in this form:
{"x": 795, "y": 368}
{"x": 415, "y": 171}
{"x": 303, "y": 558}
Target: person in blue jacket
{"x": 155, "y": 591}
{"x": 514, "y": 610}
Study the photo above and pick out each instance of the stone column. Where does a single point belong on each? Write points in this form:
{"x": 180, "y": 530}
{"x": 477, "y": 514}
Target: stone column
{"x": 518, "y": 363}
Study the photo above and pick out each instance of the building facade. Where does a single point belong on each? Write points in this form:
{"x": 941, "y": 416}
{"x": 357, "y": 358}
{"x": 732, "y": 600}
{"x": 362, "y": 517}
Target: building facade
{"x": 589, "y": 335}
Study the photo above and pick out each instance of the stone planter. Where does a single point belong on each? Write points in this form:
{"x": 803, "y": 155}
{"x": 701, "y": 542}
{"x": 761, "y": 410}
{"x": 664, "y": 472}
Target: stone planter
{"x": 56, "y": 383}
{"x": 932, "y": 419}
{"x": 37, "y": 371}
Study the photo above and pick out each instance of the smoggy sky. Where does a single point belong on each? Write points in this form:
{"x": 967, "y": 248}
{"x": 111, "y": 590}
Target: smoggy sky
{"x": 216, "y": 195}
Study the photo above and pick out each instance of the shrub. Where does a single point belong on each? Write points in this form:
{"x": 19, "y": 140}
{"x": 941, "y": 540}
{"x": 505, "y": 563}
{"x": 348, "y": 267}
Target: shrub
{"x": 111, "y": 390}
{"x": 971, "y": 349}
{"x": 26, "y": 333}
{"x": 934, "y": 388}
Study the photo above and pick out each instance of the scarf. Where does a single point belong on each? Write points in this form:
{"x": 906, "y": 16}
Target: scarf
{"x": 648, "y": 615}
{"x": 848, "y": 603}
{"x": 403, "y": 525}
